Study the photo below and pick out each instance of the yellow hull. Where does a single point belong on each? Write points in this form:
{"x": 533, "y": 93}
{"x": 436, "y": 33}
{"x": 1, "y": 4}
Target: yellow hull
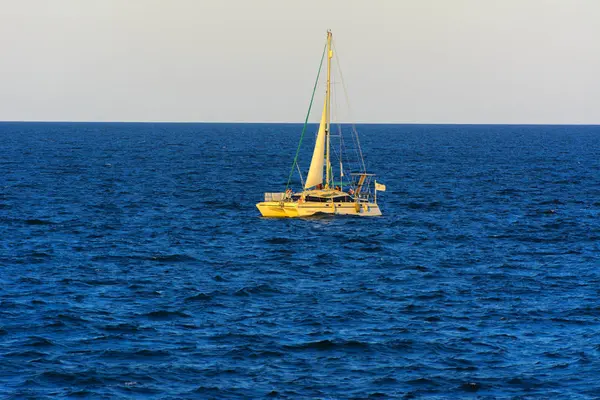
{"x": 276, "y": 209}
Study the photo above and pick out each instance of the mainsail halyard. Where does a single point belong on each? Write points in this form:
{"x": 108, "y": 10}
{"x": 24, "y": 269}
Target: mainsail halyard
{"x": 316, "y": 197}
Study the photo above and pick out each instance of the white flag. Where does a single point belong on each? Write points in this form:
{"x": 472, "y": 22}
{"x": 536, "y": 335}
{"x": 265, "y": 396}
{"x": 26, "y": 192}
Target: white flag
{"x": 380, "y": 187}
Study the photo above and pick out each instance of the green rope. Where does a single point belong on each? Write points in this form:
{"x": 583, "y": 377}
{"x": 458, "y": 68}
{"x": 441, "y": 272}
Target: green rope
{"x": 306, "y": 120}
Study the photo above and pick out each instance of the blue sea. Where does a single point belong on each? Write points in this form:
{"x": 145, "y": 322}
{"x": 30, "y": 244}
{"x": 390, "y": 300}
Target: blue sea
{"x": 134, "y": 264}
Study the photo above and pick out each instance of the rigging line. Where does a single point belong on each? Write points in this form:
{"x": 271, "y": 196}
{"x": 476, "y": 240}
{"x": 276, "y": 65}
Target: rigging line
{"x": 339, "y": 67}
{"x": 337, "y": 119}
{"x": 343, "y": 148}
{"x": 358, "y": 148}
{"x": 300, "y": 173}
{"x": 339, "y": 123}
{"x": 312, "y": 97}
{"x": 339, "y": 126}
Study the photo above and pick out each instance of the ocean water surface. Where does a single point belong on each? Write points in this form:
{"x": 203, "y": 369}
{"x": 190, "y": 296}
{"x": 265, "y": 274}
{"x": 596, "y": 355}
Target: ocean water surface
{"x": 134, "y": 264}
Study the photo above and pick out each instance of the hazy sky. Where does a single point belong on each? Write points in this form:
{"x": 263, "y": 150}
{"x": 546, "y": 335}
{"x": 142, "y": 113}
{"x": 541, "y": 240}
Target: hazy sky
{"x": 426, "y": 61}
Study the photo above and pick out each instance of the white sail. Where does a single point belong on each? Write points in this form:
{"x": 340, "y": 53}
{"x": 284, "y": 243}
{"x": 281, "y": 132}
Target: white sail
{"x": 315, "y": 173}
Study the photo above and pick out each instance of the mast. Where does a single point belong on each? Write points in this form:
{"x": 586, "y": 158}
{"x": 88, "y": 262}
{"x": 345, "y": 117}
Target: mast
{"x": 328, "y": 109}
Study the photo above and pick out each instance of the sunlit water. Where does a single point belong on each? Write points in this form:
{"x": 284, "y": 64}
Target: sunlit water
{"x": 134, "y": 264}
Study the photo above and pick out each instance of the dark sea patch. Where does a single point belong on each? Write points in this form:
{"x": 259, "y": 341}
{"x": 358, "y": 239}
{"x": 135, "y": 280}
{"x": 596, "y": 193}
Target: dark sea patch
{"x": 256, "y": 290}
{"x": 26, "y": 354}
{"x": 165, "y": 314}
{"x": 136, "y": 353}
{"x": 31, "y": 280}
{"x": 280, "y": 240}
{"x": 199, "y": 297}
{"x": 124, "y": 328}
{"x": 36, "y": 341}
{"x": 173, "y": 258}
{"x": 35, "y": 221}
{"x": 134, "y": 264}
{"x": 326, "y": 345}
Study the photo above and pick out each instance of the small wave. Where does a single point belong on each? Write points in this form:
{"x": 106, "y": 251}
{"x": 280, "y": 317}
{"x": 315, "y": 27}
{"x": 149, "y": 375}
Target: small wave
{"x": 323, "y": 345}
{"x": 84, "y": 393}
{"x": 361, "y": 239}
{"x": 386, "y": 380}
{"x": 223, "y": 205}
{"x": 38, "y": 341}
{"x": 6, "y": 304}
{"x": 88, "y": 377}
{"x": 199, "y": 297}
{"x": 422, "y": 381}
{"x": 37, "y": 258}
{"x": 372, "y": 249}
{"x": 238, "y": 337}
{"x": 26, "y": 354}
{"x": 554, "y": 201}
{"x": 260, "y": 289}
{"x": 436, "y": 294}
{"x": 27, "y": 279}
{"x": 526, "y": 383}
{"x": 123, "y": 327}
{"x": 71, "y": 318}
{"x": 508, "y": 191}
{"x": 164, "y": 314}
{"x": 117, "y": 258}
{"x": 210, "y": 391}
{"x": 36, "y": 221}
{"x": 173, "y": 258}
{"x": 569, "y": 321}
{"x": 55, "y": 324}
{"x": 152, "y": 353}
{"x": 584, "y": 311}
{"x": 424, "y": 206}
{"x": 139, "y": 353}
{"x": 247, "y": 351}
{"x": 400, "y": 344}
{"x": 102, "y": 282}
{"x": 279, "y": 240}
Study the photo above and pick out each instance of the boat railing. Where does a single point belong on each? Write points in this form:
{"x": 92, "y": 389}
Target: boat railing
{"x": 364, "y": 197}
{"x": 277, "y": 196}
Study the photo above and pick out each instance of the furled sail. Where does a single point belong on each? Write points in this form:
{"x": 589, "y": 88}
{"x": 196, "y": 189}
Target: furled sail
{"x": 315, "y": 173}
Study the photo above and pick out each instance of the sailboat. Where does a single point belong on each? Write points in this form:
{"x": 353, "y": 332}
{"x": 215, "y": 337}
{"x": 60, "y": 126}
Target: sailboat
{"x": 323, "y": 195}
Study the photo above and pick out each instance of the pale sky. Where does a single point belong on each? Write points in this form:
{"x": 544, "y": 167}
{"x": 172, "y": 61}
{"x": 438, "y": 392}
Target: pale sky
{"x": 406, "y": 61}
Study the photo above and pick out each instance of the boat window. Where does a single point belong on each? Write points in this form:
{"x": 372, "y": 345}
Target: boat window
{"x": 345, "y": 199}
{"x": 317, "y": 199}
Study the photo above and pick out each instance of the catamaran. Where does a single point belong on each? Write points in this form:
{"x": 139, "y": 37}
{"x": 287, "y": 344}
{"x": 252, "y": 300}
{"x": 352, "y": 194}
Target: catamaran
{"x": 351, "y": 195}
